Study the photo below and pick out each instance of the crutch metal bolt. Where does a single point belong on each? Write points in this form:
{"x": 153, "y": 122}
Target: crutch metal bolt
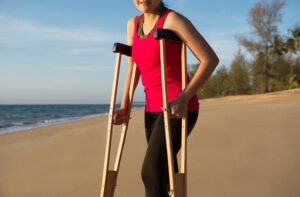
{"x": 177, "y": 181}
{"x": 109, "y": 177}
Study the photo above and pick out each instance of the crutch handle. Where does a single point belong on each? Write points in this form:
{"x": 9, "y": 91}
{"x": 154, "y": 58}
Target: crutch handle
{"x": 166, "y": 35}
{"x": 122, "y": 48}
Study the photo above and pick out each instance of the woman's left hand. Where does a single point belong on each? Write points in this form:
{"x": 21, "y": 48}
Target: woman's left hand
{"x": 178, "y": 108}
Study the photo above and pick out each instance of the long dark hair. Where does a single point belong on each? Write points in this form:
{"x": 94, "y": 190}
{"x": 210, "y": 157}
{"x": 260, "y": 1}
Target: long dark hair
{"x": 163, "y": 4}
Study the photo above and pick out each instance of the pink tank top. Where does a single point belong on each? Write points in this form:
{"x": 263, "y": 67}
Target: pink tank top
{"x": 146, "y": 55}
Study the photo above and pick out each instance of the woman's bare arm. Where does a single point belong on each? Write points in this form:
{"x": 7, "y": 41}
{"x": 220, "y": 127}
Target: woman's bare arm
{"x": 122, "y": 115}
{"x": 201, "y": 50}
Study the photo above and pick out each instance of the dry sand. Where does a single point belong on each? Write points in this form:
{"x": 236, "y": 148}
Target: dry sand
{"x": 242, "y": 146}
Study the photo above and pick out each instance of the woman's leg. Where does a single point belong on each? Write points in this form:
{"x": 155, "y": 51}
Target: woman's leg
{"x": 155, "y": 168}
{"x": 151, "y": 166}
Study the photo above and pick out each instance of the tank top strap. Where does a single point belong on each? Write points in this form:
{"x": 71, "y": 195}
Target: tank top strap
{"x": 161, "y": 21}
{"x": 136, "y": 26}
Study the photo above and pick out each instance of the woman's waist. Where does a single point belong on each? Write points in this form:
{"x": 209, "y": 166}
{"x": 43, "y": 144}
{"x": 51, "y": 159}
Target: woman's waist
{"x": 154, "y": 98}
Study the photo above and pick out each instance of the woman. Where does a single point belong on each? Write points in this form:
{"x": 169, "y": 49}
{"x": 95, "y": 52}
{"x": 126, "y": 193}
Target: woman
{"x": 145, "y": 53}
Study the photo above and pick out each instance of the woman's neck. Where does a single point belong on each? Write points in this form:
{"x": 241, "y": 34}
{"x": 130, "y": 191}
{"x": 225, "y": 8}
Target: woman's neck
{"x": 149, "y": 20}
{"x": 152, "y": 16}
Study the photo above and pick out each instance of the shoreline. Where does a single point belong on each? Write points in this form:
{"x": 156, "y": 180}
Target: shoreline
{"x": 5, "y": 131}
{"x": 20, "y": 126}
{"x": 15, "y": 129}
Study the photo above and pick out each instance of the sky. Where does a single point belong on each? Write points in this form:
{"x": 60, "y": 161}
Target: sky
{"x": 60, "y": 51}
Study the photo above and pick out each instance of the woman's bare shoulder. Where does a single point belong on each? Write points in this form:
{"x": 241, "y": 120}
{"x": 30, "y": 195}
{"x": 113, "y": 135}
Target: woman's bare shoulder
{"x": 130, "y": 29}
{"x": 131, "y": 22}
{"x": 173, "y": 19}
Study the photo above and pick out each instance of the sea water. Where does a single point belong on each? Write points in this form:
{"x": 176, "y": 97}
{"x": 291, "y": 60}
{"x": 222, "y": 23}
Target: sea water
{"x": 23, "y": 117}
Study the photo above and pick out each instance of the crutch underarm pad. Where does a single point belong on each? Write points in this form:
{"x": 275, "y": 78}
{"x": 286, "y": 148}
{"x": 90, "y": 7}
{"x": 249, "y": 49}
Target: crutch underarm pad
{"x": 166, "y": 35}
{"x": 122, "y": 48}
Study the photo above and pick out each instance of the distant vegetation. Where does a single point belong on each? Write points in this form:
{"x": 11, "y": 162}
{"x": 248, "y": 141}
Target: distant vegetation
{"x": 275, "y": 62}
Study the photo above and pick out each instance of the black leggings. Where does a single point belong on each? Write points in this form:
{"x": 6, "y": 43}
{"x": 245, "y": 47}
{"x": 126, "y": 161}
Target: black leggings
{"x": 155, "y": 167}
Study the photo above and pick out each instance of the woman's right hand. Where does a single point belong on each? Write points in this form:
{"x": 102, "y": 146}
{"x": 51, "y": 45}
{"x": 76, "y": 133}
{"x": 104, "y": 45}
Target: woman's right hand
{"x": 120, "y": 116}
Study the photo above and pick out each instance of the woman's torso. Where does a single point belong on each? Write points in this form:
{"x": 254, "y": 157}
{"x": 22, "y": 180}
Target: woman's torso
{"x": 146, "y": 54}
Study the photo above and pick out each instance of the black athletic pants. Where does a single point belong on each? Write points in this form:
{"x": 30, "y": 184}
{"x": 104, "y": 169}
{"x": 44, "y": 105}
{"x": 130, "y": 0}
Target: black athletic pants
{"x": 155, "y": 167}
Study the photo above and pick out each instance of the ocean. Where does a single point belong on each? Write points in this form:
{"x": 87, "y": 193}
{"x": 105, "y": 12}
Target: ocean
{"x": 15, "y": 118}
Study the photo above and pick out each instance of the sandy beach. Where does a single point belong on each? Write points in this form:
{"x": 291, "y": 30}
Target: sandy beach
{"x": 242, "y": 146}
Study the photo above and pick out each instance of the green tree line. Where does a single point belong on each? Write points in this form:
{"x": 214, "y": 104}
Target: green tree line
{"x": 275, "y": 58}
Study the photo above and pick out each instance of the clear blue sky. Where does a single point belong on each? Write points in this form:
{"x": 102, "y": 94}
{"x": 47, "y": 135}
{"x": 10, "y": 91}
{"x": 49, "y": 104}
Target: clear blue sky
{"x": 59, "y": 51}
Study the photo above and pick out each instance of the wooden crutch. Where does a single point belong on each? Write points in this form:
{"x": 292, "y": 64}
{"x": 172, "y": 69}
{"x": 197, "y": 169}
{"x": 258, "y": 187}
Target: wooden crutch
{"x": 178, "y": 181}
{"x": 109, "y": 177}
